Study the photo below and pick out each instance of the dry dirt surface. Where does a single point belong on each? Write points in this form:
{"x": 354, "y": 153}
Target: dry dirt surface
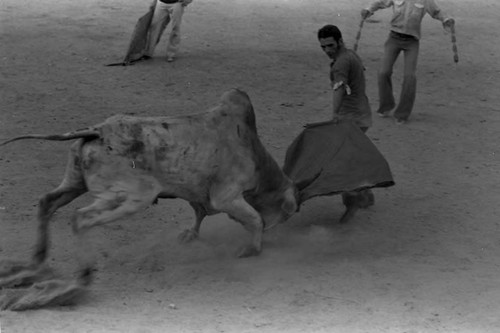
{"x": 425, "y": 258}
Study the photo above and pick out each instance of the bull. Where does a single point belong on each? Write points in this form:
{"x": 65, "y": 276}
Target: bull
{"x": 214, "y": 160}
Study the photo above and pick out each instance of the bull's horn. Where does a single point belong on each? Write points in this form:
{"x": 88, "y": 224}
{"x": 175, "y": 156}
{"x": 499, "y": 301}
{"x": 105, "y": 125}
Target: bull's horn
{"x": 306, "y": 182}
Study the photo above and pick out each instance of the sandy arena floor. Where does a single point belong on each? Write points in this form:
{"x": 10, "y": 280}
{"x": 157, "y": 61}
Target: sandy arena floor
{"x": 425, "y": 258}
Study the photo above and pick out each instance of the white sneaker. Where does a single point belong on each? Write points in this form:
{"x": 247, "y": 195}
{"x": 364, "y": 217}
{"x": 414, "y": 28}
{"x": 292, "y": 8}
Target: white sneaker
{"x": 400, "y": 121}
{"x": 383, "y": 114}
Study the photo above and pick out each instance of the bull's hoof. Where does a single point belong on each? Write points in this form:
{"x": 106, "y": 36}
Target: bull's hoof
{"x": 249, "y": 251}
{"x": 47, "y": 293}
{"x": 187, "y": 236}
{"x": 8, "y": 297}
{"x": 21, "y": 276}
{"x": 9, "y": 267}
{"x": 348, "y": 214}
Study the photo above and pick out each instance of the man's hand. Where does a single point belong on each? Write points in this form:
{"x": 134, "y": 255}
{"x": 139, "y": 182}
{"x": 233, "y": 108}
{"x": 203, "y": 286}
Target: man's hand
{"x": 365, "y": 13}
{"x": 335, "y": 120}
{"x": 448, "y": 24}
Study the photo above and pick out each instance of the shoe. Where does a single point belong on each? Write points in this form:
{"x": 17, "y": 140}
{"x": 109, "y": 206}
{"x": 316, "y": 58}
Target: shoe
{"x": 400, "y": 121}
{"x": 365, "y": 199}
{"x": 170, "y": 59}
{"x": 383, "y": 114}
{"x": 385, "y": 111}
{"x": 349, "y": 213}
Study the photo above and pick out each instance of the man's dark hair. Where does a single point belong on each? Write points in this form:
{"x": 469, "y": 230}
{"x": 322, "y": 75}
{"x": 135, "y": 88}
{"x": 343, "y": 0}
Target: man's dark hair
{"x": 330, "y": 30}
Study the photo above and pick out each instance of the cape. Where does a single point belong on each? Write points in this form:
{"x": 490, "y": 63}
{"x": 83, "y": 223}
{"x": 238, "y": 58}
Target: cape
{"x": 139, "y": 39}
{"x": 328, "y": 158}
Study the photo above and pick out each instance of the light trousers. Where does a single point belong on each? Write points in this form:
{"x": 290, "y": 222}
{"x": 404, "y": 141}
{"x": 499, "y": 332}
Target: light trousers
{"x": 394, "y": 45}
{"x": 163, "y": 15}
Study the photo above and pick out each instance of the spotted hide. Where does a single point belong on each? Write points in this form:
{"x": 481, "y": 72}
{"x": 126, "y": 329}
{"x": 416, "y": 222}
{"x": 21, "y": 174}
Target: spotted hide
{"x": 214, "y": 160}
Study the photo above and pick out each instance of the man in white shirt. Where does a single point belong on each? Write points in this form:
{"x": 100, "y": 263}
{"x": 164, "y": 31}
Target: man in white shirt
{"x": 404, "y": 36}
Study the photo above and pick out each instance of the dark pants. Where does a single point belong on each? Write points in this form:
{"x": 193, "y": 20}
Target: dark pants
{"x": 358, "y": 199}
{"x": 393, "y": 46}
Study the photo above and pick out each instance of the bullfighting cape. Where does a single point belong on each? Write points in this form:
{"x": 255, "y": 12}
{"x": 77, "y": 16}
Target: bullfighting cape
{"x": 139, "y": 39}
{"x": 328, "y": 158}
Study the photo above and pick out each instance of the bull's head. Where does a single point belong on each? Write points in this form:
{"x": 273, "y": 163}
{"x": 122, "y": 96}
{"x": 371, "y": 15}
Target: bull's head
{"x": 286, "y": 204}
{"x": 277, "y": 207}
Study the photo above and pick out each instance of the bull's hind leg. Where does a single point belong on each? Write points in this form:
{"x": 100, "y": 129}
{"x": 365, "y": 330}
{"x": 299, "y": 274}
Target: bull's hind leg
{"x": 61, "y": 196}
{"x": 193, "y": 232}
{"x": 73, "y": 185}
{"x": 121, "y": 198}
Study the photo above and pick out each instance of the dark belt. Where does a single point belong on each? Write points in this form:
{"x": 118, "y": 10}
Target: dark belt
{"x": 402, "y": 36}
{"x": 169, "y": 1}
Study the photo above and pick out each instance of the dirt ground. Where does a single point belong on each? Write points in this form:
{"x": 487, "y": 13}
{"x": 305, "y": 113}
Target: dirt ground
{"x": 425, "y": 258}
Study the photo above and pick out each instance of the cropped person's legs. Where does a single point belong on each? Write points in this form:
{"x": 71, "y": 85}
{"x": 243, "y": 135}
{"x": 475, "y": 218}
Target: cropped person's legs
{"x": 356, "y": 199}
{"x": 409, "y": 89}
{"x": 385, "y": 93}
{"x": 175, "y": 35}
{"x": 161, "y": 18}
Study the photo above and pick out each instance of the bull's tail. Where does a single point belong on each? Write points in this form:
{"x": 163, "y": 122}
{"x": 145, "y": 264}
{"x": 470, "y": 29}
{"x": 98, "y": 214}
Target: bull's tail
{"x": 87, "y": 133}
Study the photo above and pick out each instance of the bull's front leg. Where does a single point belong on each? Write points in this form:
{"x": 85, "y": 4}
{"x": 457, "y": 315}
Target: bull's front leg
{"x": 243, "y": 212}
